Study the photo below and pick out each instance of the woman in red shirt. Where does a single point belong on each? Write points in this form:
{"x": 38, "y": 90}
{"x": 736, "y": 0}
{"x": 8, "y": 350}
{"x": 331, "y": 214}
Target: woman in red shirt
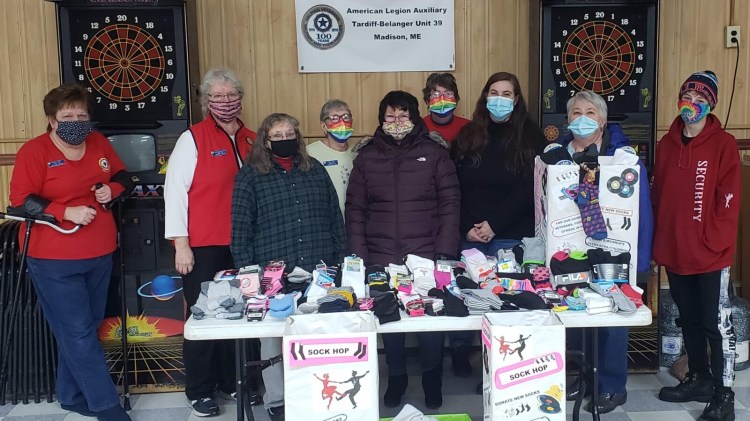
{"x": 71, "y": 273}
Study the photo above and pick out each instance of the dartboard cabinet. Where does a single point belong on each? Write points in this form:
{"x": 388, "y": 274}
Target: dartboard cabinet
{"x": 608, "y": 47}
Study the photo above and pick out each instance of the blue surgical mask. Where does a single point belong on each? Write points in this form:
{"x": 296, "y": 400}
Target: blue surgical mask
{"x": 499, "y": 107}
{"x": 73, "y": 132}
{"x": 583, "y": 126}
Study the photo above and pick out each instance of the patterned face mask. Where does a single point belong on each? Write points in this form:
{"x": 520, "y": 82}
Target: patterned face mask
{"x": 442, "y": 106}
{"x": 398, "y": 129}
{"x": 340, "y": 131}
{"x": 693, "y": 112}
{"x": 225, "y": 111}
{"x": 73, "y": 132}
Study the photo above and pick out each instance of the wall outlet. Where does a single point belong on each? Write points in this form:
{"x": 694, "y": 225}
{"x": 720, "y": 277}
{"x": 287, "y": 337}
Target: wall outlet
{"x": 733, "y": 36}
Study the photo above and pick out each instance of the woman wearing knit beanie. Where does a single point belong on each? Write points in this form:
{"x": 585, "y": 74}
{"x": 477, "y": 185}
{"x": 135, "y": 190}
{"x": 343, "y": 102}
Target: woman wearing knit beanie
{"x": 696, "y": 199}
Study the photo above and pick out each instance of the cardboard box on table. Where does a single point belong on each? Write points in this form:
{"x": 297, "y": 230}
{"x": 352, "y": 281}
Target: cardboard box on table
{"x": 558, "y": 217}
{"x": 524, "y": 366}
{"x": 331, "y": 367}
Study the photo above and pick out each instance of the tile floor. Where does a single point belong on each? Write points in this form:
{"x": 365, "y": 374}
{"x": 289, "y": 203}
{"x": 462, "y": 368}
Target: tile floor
{"x": 458, "y": 397}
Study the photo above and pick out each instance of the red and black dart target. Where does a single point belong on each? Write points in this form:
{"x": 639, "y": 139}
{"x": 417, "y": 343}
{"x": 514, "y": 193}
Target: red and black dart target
{"x": 124, "y": 63}
{"x": 598, "y": 56}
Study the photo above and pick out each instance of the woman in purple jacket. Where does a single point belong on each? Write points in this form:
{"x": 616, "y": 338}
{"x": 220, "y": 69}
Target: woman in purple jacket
{"x": 403, "y": 198}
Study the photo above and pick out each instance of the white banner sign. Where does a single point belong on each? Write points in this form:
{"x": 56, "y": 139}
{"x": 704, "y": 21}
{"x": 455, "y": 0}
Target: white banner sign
{"x": 375, "y": 36}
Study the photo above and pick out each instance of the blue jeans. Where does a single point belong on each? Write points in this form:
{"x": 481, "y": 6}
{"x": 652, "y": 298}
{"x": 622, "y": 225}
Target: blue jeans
{"x": 73, "y": 295}
{"x": 491, "y": 248}
{"x": 613, "y": 356}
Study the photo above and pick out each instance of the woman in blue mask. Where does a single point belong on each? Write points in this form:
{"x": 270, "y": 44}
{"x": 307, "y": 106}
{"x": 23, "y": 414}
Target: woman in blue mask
{"x": 494, "y": 156}
{"x": 587, "y": 122}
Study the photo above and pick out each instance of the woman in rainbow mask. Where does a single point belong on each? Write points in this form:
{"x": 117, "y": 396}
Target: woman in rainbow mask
{"x": 440, "y": 93}
{"x": 334, "y": 151}
{"x": 494, "y": 156}
{"x": 696, "y": 197}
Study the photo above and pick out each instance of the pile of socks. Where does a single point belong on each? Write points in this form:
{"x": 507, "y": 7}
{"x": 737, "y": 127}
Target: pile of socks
{"x": 608, "y": 267}
{"x": 412, "y": 304}
{"x": 480, "y": 301}
{"x": 533, "y": 253}
{"x": 385, "y": 306}
{"x": 528, "y": 300}
{"x": 423, "y": 273}
{"x": 477, "y": 265}
{"x": 219, "y": 299}
{"x": 570, "y": 270}
{"x": 353, "y": 274}
{"x": 337, "y": 300}
{"x": 622, "y": 304}
{"x": 434, "y": 307}
{"x": 401, "y": 279}
{"x": 272, "y": 281}
{"x": 595, "y": 303}
{"x": 282, "y": 306}
{"x": 444, "y": 272}
{"x": 453, "y": 305}
{"x": 506, "y": 262}
{"x": 323, "y": 278}
{"x": 377, "y": 278}
{"x": 248, "y": 278}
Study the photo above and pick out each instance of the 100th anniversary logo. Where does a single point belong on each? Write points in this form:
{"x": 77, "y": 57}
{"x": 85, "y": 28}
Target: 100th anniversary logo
{"x": 323, "y": 26}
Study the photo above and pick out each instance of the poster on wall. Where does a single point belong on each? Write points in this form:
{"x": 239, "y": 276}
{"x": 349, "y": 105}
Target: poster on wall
{"x": 367, "y": 36}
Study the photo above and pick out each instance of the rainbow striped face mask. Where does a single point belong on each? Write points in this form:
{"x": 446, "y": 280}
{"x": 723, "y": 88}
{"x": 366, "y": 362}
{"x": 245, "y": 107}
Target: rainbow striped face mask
{"x": 442, "y": 106}
{"x": 693, "y": 112}
{"x": 341, "y": 131}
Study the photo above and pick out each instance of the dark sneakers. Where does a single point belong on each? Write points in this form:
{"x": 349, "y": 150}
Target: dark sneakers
{"x": 460, "y": 361}
{"x": 276, "y": 413}
{"x": 205, "y": 407}
{"x": 695, "y": 387}
{"x": 81, "y": 408}
{"x": 721, "y": 406}
{"x": 607, "y": 402}
{"x": 396, "y": 389}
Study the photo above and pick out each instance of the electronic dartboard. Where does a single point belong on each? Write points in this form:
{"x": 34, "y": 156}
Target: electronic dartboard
{"x": 608, "y": 47}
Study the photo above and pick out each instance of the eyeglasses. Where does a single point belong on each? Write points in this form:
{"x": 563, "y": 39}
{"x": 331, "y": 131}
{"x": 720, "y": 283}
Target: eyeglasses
{"x": 445, "y": 94}
{"x": 231, "y": 96}
{"x": 282, "y": 136}
{"x": 336, "y": 118}
{"x": 402, "y": 118}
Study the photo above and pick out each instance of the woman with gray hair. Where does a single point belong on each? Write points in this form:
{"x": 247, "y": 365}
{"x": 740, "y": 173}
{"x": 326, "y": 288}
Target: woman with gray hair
{"x": 202, "y": 168}
{"x": 284, "y": 207}
{"x": 334, "y": 151}
{"x": 590, "y": 137}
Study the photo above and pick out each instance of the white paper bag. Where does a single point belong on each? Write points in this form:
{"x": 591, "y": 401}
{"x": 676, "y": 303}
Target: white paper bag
{"x": 524, "y": 366}
{"x": 331, "y": 367}
{"x": 558, "y": 218}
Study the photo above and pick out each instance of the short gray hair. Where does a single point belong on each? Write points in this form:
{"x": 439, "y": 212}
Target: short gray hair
{"x": 333, "y": 104}
{"x": 591, "y": 97}
{"x": 216, "y": 76}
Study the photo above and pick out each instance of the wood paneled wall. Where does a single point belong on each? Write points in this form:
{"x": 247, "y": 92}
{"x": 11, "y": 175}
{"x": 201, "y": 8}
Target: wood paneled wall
{"x": 257, "y": 39}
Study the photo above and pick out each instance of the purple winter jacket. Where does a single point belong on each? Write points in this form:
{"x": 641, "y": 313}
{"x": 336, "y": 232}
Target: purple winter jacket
{"x": 402, "y": 199}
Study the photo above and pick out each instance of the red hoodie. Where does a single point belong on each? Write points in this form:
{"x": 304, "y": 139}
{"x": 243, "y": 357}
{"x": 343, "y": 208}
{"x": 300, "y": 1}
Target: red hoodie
{"x": 696, "y": 199}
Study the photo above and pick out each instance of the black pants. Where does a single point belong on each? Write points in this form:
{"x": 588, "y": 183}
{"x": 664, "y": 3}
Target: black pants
{"x": 208, "y": 364}
{"x": 706, "y": 316}
{"x": 430, "y": 351}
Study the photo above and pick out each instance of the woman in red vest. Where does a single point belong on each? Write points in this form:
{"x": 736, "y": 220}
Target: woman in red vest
{"x": 198, "y": 200}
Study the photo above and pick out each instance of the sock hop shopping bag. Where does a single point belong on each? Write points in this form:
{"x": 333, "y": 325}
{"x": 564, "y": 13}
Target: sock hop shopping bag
{"x": 331, "y": 367}
{"x": 590, "y": 206}
{"x": 524, "y": 366}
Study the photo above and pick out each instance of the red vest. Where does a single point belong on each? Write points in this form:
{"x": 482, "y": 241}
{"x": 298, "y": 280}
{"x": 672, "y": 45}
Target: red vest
{"x": 210, "y": 195}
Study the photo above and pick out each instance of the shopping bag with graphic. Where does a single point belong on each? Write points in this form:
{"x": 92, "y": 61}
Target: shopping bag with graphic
{"x": 590, "y": 206}
{"x": 331, "y": 367}
{"x": 524, "y": 366}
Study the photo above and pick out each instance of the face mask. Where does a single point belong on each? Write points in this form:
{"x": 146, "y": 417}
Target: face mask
{"x": 285, "y": 148}
{"x": 73, "y": 132}
{"x": 583, "y": 126}
{"x": 225, "y": 111}
{"x": 398, "y": 129}
{"x": 499, "y": 107}
{"x": 341, "y": 131}
{"x": 693, "y": 112}
{"x": 442, "y": 106}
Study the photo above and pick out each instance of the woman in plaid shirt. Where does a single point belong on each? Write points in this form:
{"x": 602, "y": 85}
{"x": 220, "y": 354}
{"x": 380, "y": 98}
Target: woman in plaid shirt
{"x": 284, "y": 207}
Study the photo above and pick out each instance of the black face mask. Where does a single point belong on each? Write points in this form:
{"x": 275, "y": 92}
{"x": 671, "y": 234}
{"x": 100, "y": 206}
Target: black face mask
{"x": 285, "y": 148}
